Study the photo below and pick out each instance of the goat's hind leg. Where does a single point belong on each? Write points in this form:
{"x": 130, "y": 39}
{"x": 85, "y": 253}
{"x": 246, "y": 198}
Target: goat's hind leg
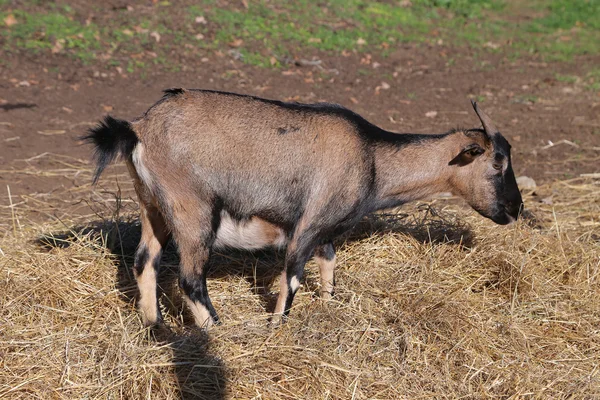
{"x": 147, "y": 262}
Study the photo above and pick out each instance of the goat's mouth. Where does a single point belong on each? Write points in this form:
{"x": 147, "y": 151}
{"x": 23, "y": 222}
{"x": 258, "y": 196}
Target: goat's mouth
{"x": 505, "y": 215}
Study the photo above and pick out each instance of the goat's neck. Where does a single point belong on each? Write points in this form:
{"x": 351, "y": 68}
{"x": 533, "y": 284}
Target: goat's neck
{"x": 411, "y": 171}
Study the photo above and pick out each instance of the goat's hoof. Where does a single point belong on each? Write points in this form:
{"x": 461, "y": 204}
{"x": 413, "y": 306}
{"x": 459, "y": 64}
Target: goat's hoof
{"x": 326, "y": 296}
{"x": 277, "y": 320}
{"x": 152, "y": 323}
{"x": 208, "y": 323}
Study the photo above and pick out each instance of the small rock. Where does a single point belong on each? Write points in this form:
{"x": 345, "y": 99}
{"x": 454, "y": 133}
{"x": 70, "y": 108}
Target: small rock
{"x": 200, "y": 20}
{"x": 526, "y": 183}
{"x": 236, "y": 54}
{"x": 361, "y": 41}
{"x": 58, "y": 46}
{"x": 24, "y": 83}
{"x": 570, "y": 90}
{"x": 236, "y": 43}
{"x": 492, "y": 45}
{"x": 431, "y": 114}
{"x": 139, "y": 29}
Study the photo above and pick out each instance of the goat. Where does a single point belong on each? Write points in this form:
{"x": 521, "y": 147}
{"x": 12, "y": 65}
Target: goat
{"x": 217, "y": 169}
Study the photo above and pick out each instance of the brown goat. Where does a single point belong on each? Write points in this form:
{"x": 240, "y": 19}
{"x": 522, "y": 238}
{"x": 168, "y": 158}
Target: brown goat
{"x": 220, "y": 170}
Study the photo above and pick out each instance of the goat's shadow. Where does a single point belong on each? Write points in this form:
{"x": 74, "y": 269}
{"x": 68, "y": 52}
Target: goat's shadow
{"x": 200, "y": 374}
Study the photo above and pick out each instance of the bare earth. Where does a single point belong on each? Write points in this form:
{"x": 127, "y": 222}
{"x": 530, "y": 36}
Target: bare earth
{"x": 43, "y": 113}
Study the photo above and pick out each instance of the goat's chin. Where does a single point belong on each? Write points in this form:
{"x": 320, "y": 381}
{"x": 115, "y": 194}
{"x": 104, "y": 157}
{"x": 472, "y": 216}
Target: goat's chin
{"x": 503, "y": 217}
{"x": 500, "y": 216}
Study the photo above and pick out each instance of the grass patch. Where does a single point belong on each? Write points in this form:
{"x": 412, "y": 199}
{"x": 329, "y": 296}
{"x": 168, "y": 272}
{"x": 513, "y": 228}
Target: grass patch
{"x": 52, "y": 30}
{"x": 286, "y": 29}
{"x": 592, "y": 79}
{"x": 566, "y": 78}
{"x": 281, "y": 30}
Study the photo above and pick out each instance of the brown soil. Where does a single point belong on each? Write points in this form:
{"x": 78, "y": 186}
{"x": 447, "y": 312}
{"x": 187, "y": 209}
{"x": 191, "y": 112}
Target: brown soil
{"x": 43, "y": 112}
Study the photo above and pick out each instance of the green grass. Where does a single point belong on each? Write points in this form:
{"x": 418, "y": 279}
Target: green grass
{"x": 36, "y": 32}
{"x": 566, "y": 78}
{"x": 276, "y": 30}
{"x": 464, "y": 8}
{"x": 592, "y": 80}
{"x": 567, "y": 14}
{"x": 589, "y": 81}
{"x": 287, "y": 28}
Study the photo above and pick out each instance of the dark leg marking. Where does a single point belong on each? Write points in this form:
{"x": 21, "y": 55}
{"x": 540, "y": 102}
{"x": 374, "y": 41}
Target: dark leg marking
{"x": 197, "y": 291}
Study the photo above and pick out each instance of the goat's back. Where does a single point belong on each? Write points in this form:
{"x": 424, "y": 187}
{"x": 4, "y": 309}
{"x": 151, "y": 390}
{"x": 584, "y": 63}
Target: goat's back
{"x": 255, "y": 155}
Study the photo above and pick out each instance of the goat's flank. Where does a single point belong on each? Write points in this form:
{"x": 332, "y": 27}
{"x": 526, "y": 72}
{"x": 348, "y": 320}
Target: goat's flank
{"x": 217, "y": 169}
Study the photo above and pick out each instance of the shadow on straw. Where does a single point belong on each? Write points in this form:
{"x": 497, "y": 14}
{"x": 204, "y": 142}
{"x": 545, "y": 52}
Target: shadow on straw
{"x": 200, "y": 374}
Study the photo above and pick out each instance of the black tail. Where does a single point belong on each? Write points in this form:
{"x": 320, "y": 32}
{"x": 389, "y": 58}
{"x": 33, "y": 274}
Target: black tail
{"x": 111, "y": 138}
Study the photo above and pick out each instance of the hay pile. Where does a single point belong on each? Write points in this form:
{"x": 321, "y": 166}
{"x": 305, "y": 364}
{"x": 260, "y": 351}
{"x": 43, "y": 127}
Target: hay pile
{"x": 436, "y": 302}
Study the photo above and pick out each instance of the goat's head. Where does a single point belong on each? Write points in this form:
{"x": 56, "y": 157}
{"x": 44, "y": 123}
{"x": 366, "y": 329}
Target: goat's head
{"x": 483, "y": 172}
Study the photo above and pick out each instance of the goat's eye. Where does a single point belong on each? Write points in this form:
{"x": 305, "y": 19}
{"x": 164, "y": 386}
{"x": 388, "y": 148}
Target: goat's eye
{"x": 497, "y": 166}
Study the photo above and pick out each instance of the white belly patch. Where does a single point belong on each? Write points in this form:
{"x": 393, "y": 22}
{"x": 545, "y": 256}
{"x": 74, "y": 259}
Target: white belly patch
{"x": 250, "y": 234}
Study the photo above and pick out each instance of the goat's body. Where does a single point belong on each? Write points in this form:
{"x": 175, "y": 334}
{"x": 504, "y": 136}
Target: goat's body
{"x": 225, "y": 170}
{"x": 260, "y": 158}
{"x": 257, "y": 158}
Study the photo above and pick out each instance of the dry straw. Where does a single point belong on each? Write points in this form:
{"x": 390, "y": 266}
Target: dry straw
{"x": 432, "y": 302}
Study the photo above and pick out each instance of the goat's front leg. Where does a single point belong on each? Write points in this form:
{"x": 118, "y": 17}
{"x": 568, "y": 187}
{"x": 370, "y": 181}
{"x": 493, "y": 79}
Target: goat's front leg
{"x": 298, "y": 252}
{"x": 195, "y": 231}
{"x": 325, "y": 259}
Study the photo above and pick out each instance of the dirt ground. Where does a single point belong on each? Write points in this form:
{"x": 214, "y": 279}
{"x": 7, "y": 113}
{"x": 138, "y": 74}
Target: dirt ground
{"x": 47, "y": 102}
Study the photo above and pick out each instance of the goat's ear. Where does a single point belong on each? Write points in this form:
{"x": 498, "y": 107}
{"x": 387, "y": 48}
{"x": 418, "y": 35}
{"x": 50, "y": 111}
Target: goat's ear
{"x": 467, "y": 155}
